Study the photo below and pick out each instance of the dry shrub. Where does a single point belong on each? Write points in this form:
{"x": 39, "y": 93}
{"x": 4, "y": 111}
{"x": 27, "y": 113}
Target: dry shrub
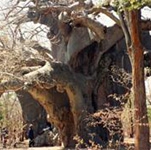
{"x": 110, "y": 118}
{"x": 12, "y": 117}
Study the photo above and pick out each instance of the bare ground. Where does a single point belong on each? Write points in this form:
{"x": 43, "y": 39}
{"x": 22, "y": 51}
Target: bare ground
{"x": 129, "y": 141}
{"x": 37, "y": 148}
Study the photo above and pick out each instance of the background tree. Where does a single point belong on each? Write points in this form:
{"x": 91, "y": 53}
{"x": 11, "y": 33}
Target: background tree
{"x": 130, "y": 18}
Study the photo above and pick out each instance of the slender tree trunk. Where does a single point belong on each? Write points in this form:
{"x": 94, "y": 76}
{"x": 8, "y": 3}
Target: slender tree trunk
{"x": 137, "y": 58}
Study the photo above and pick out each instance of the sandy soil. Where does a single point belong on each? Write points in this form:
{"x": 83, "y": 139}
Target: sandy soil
{"x": 35, "y": 148}
{"x": 126, "y": 140}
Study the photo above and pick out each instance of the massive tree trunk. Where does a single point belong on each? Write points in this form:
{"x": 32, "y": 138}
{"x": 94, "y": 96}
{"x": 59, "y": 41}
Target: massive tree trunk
{"x": 66, "y": 97}
{"x": 137, "y": 60}
{"x": 67, "y": 107}
{"x": 71, "y": 92}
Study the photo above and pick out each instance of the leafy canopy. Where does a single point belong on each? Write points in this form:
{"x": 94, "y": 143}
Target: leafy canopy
{"x": 123, "y": 4}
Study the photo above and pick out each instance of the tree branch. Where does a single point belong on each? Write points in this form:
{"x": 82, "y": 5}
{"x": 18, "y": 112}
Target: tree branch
{"x": 13, "y": 84}
{"x": 112, "y": 35}
{"x": 93, "y": 25}
{"x": 106, "y": 12}
{"x": 76, "y": 12}
{"x": 125, "y": 29}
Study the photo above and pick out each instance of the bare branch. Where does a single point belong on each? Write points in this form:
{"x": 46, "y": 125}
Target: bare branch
{"x": 125, "y": 29}
{"x": 93, "y": 25}
{"x": 113, "y": 35}
{"x": 14, "y": 85}
{"x": 106, "y": 12}
{"x": 76, "y": 11}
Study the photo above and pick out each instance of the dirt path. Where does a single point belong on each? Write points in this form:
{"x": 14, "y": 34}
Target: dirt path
{"x": 126, "y": 140}
{"x": 35, "y": 148}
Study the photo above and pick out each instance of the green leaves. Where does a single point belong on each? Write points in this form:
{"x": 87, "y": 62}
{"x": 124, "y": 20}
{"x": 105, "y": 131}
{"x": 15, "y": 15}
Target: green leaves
{"x": 132, "y": 4}
{"x": 1, "y": 115}
{"x": 121, "y": 5}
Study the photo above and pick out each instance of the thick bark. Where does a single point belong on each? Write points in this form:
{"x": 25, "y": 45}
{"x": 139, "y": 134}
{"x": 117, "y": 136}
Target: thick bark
{"x": 57, "y": 106}
{"x": 64, "y": 81}
{"x": 112, "y": 36}
{"x": 66, "y": 112}
{"x": 65, "y": 98}
{"x": 93, "y": 25}
{"x": 137, "y": 58}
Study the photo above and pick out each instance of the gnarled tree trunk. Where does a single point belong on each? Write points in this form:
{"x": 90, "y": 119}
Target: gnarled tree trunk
{"x": 57, "y": 106}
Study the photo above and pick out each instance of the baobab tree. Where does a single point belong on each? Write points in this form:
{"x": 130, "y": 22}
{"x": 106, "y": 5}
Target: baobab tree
{"x": 67, "y": 81}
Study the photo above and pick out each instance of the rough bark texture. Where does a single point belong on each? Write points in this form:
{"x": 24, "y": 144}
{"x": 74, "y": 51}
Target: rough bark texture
{"x": 57, "y": 106}
{"x": 76, "y": 92}
{"x": 67, "y": 109}
{"x": 141, "y": 119}
{"x": 72, "y": 90}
